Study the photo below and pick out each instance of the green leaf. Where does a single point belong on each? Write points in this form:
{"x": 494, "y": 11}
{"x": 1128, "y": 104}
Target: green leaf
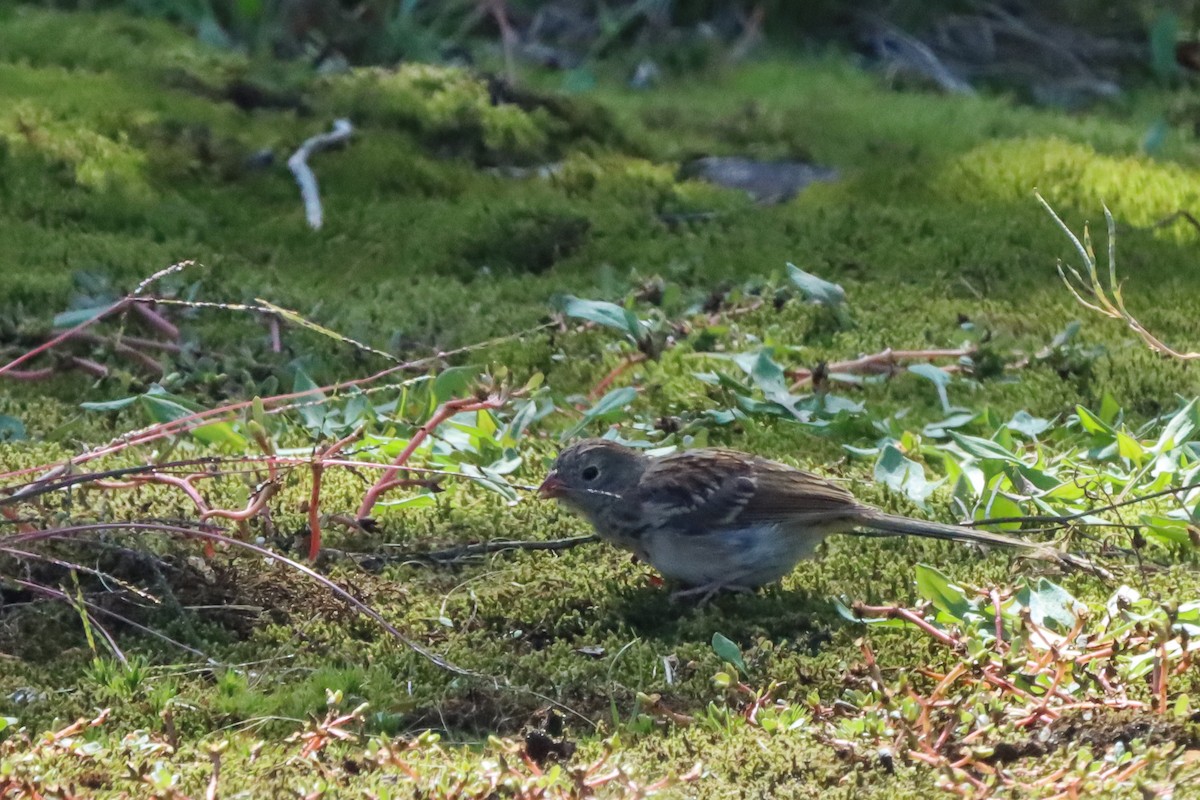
{"x": 616, "y": 400}
{"x": 1093, "y": 424}
{"x": 453, "y": 382}
{"x": 77, "y": 316}
{"x": 1025, "y": 423}
{"x": 312, "y": 408}
{"x": 1000, "y": 506}
{"x": 983, "y": 448}
{"x": 728, "y": 652}
{"x": 1110, "y": 409}
{"x": 816, "y": 289}
{"x": 1128, "y": 447}
{"x": 601, "y": 312}
{"x": 941, "y": 428}
{"x": 110, "y": 405}
{"x": 490, "y": 480}
{"x": 945, "y": 596}
{"x": 162, "y": 407}
{"x": 416, "y": 501}
{"x": 162, "y": 410}
{"x": 902, "y": 474}
{"x": 940, "y": 379}
{"x": 612, "y": 403}
{"x": 1168, "y": 531}
{"x": 1178, "y": 429}
{"x": 1050, "y": 605}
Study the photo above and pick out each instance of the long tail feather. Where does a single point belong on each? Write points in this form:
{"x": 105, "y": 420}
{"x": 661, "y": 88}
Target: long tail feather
{"x": 906, "y": 526}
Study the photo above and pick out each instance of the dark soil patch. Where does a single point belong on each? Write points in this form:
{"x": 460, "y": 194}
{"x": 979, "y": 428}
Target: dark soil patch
{"x": 1101, "y": 732}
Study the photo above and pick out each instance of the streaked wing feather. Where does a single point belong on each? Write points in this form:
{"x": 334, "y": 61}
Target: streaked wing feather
{"x": 701, "y": 489}
{"x": 785, "y": 493}
{"x": 697, "y": 490}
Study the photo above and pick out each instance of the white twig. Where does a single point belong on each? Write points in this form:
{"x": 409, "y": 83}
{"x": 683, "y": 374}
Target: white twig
{"x": 298, "y": 164}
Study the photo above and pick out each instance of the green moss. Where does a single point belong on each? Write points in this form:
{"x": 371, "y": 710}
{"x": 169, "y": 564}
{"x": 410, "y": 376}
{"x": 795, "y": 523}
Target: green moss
{"x": 124, "y": 150}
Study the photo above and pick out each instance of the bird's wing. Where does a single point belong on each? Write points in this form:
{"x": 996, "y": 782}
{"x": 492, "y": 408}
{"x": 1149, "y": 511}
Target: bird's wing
{"x": 703, "y": 489}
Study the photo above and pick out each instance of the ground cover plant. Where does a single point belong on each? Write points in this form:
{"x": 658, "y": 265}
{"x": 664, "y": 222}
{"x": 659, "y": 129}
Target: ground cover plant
{"x": 266, "y": 520}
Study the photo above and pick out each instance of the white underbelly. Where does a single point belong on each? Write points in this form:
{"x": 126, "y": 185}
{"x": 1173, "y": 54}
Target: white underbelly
{"x": 747, "y": 557}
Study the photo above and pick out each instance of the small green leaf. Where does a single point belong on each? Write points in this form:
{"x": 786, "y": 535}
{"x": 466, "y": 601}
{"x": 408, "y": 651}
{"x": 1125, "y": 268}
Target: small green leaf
{"x": 110, "y": 405}
{"x": 1128, "y": 447}
{"x": 945, "y": 596}
{"x": 1050, "y": 605}
{"x": 940, "y": 379}
{"x": 983, "y": 448}
{"x": 164, "y": 408}
{"x": 900, "y": 473}
{"x": 615, "y": 400}
{"x": 1025, "y": 423}
{"x": 1168, "y": 531}
{"x": 312, "y": 406}
{"x": 1093, "y": 424}
{"x": 816, "y": 289}
{"x": 728, "y": 652}
{"x": 416, "y": 501}
{"x": 601, "y": 312}
{"x": 612, "y": 403}
{"x": 1110, "y": 409}
{"x": 453, "y": 382}
{"x": 77, "y": 316}
{"x": 1001, "y": 506}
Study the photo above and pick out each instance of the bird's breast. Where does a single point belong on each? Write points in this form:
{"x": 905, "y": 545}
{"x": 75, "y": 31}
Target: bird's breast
{"x": 747, "y": 556}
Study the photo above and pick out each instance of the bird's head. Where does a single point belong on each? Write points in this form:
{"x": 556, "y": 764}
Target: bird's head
{"x": 593, "y": 474}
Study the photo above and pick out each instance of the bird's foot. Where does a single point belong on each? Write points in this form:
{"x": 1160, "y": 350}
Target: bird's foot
{"x": 708, "y": 591}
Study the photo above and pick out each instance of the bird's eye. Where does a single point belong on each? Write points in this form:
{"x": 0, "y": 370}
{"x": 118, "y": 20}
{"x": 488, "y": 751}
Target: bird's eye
{"x": 590, "y": 473}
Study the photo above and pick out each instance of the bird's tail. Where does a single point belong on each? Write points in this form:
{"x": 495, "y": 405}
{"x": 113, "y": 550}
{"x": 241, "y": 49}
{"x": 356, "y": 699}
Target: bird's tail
{"x": 906, "y": 526}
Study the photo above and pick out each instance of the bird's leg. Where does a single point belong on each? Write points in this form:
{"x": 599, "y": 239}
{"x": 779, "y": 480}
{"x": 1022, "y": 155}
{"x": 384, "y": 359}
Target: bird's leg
{"x": 708, "y": 591}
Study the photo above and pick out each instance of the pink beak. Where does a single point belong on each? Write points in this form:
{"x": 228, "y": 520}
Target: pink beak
{"x": 552, "y": 487}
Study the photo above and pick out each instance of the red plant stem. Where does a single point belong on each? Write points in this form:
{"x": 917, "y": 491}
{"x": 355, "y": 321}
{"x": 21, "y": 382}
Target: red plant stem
{"x": 907, "y": 615}
{"x": 93, "y": 368}
{"x": 1000, "y": 643}
{"x": 1162, "y": 667}
{"x": 183, "y": 424}
{"x": 67, "y": 334}
{"x": 158, "y": 322}
{"x": 444, "y": 412}
{"x": 30, "y": 374}
{"x": 183, "y": 484}
{"x": 125, "y": 348}
{"x": 26, "y": 492}
{"x": 143, "y": 343}
{"x": 201, "y": 418}
{"x": 252, "y": 509}
{"x": 953, "y": 675}
{"x": 314, "y": 515}
{"x": 314, "y": 500}
{"x": 601, "y": 387}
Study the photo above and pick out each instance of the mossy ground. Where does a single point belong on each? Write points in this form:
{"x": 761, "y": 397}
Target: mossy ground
{"x": 119, "y": 156}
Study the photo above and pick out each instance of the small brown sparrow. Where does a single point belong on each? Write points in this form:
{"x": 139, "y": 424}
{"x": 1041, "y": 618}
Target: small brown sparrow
{"x": 719, "y": 519}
